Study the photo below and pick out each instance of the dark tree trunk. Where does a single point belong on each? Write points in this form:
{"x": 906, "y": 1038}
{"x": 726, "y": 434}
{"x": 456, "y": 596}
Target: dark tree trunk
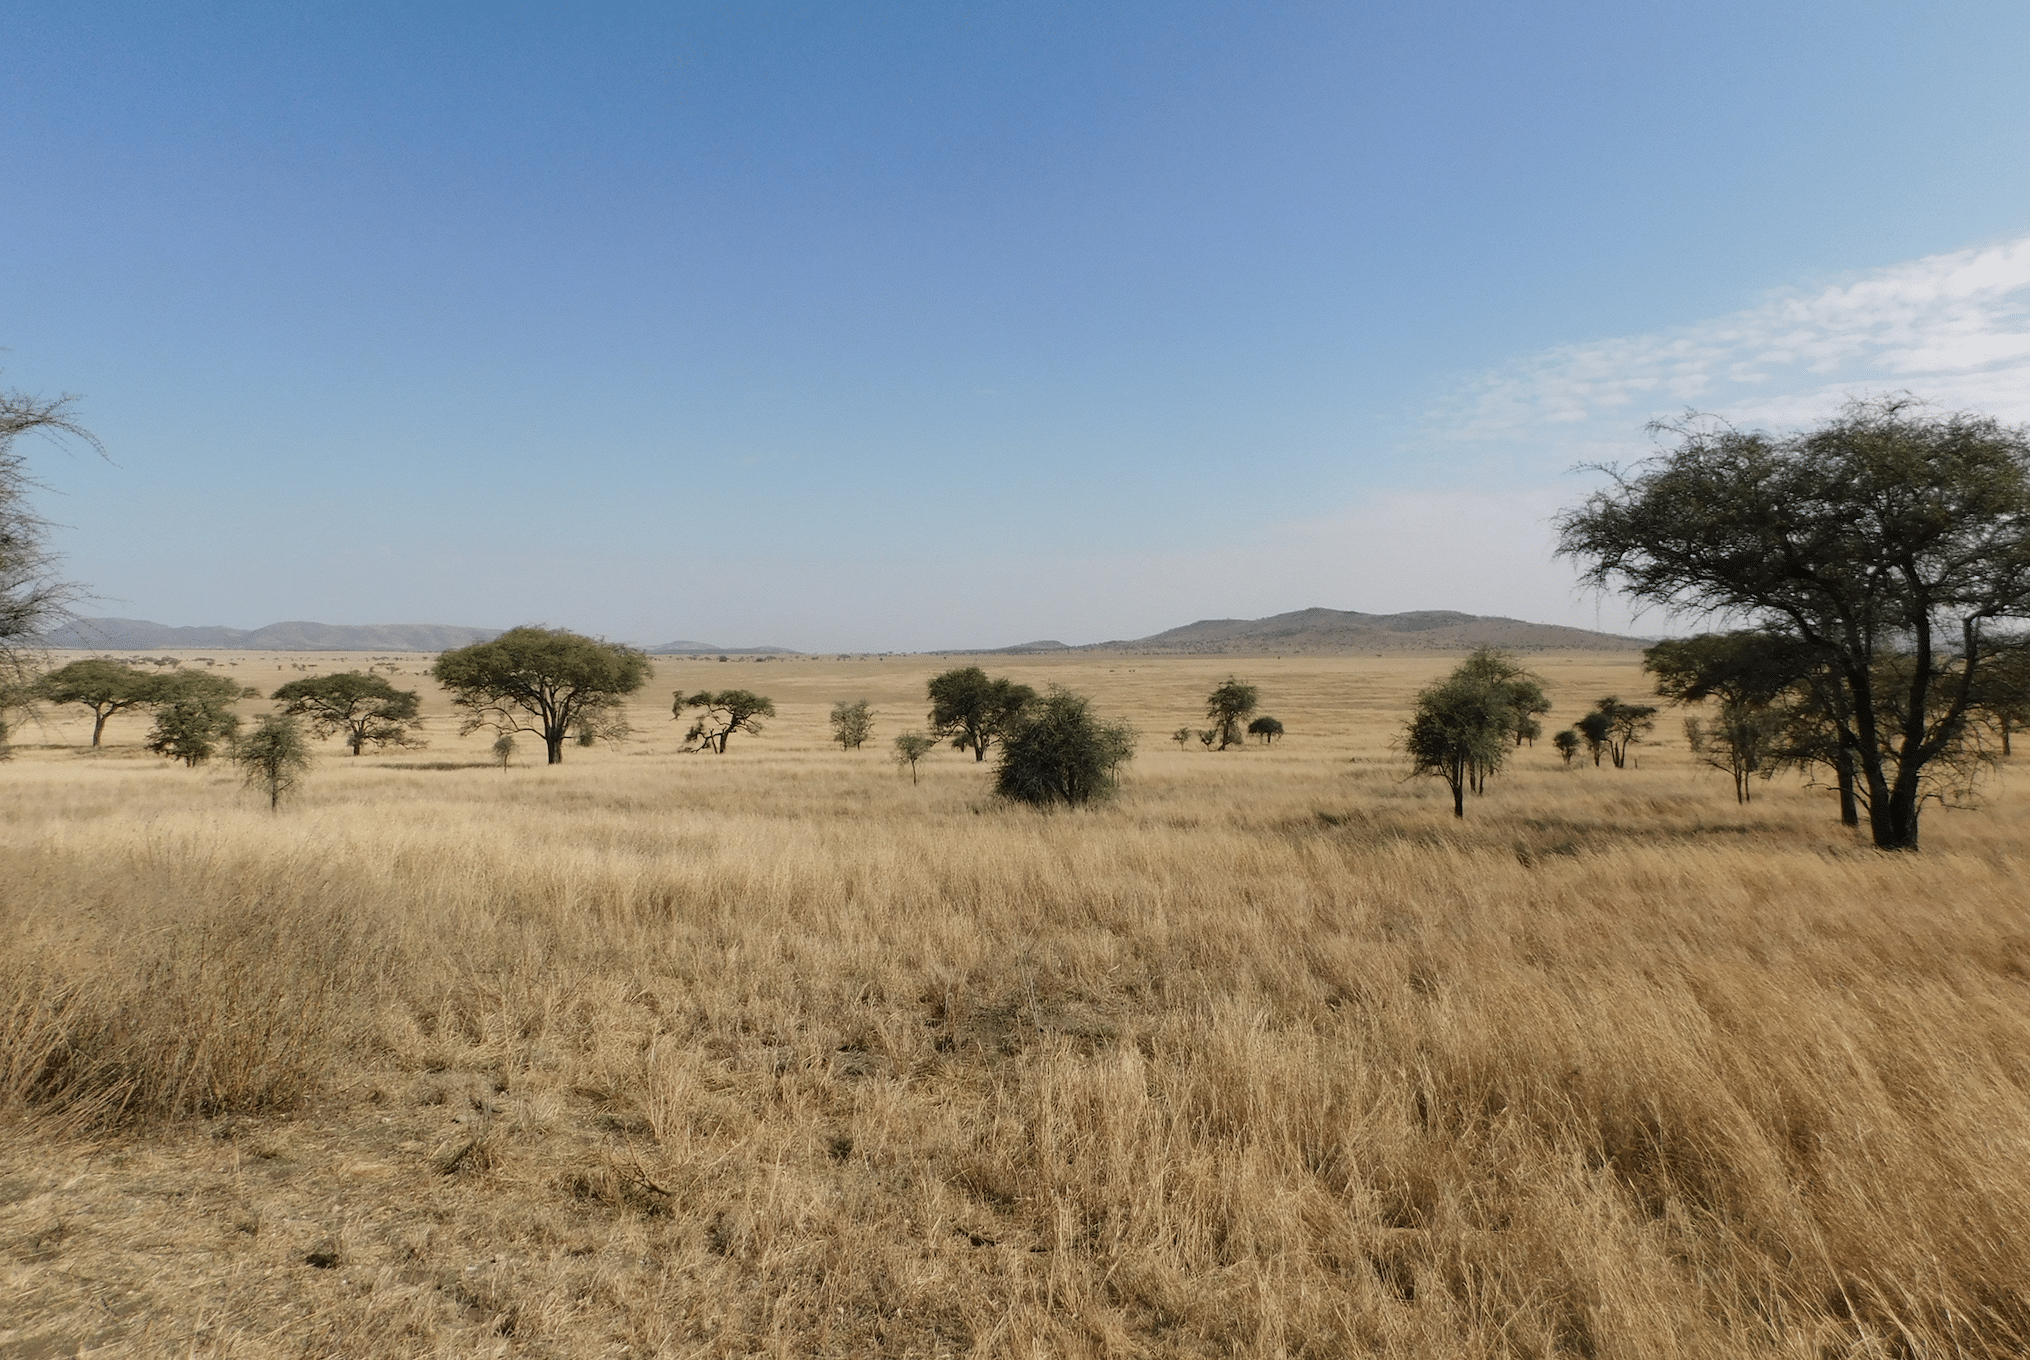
{"x": 99, "y": 726}
{"x": 553, "y": 743}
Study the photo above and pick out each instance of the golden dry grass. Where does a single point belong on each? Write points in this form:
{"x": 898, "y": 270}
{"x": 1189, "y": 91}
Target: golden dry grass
{"x": 776, "y": 1053}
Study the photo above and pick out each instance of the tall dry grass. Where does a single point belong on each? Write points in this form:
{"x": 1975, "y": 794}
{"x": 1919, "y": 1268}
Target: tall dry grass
{"x": 780, "y": 1053}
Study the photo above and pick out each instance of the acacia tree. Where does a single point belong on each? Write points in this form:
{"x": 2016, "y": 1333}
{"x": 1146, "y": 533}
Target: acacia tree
{"x": 273, "y": 756}
{"x": 194, "y": 715}
{"x": 1523, "y": 689}
{"x": 32, "y": 599}
{"x": 542, "y": 681}
{"x": 1593, "y": 729}
{"x": 911, "y": 747}
{"x": 1567, "y": 743}
{"x": 2005, "y": 695}
{"x": 1062, "y": 752}
{"x": 366, "y": 707}
{"x": 973, "y": 711}
{"x": 1748, "y": 674}
{"x": 852, "y": 724}
{"x": 1617, "y": 726}
{"x": 1885, "y": 532}
{"x": 1229, "y": 706}
{"x": 1268, "y": 729}
{"x": 723, "y": 713}
{"x": 1460, "y": 732}
{"x": 101, "y": 685}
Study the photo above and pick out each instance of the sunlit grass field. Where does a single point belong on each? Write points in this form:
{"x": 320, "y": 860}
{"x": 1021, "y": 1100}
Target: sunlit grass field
{"x": 779, "y": 1053}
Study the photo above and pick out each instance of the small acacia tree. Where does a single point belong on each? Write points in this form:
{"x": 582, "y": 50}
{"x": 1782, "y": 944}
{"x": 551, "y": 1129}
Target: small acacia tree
{"x": 911, "y": 747}
{"x": 1620, "y": 726}
{"x": 1063, "y": 753}
{"x": 973, "y": 710}
{"x": 1460, "y": 732}
{"x": 543, "y": 681}
{"x": 194, "y": 715}
{"x": 852, "y": 724}
{"x": 1268, "y": 729}
{"x": 100, "y": 685}
{"x": 1567, "y": 743}
{"x": 273, "y": 756}
{"x": 723, "y": 713}
{"x": 365, "y": 707}
{"x": 1749, "y": 675}
{"x": 504, "y": 749}
{"x": 1227, "y": 708}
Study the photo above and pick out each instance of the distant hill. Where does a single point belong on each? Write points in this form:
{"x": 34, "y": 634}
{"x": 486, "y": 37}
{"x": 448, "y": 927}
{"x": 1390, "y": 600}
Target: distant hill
{"x": 707, "y": 649}
{"x": 139, "y": 635}
{"x": 1345, "y": 630}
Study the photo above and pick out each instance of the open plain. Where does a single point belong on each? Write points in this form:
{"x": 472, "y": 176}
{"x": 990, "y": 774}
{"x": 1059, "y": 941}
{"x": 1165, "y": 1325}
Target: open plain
{"x": 780, "y": 1053}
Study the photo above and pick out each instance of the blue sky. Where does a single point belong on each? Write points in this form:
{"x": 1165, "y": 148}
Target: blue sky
{"x": 936, "y": 325}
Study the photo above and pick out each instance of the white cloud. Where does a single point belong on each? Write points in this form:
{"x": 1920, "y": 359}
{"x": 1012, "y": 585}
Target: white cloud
{"x": 1953, "y": 329}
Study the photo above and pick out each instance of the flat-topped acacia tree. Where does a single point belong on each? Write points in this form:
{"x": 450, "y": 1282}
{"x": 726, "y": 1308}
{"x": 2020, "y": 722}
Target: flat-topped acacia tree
{"x": 101, "y": 685}
{"x": 540, "y": 681}
{"x": 365, "y": 707}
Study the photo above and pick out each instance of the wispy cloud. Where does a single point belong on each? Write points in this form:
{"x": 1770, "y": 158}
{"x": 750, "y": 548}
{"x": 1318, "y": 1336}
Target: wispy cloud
{"x": 1954, "y": 329}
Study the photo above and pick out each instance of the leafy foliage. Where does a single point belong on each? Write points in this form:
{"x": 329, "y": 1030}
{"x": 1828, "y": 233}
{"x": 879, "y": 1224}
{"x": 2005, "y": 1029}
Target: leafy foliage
{"x": 852, "y": 724}
{"x": 974, "y": 711}
{"x": 1522, "y": 690}
{"x": 911, "y": 747}
{"x": 366, "y": 707}
{"x": 1227, "y": 707}
{"x": 1268, "y": 729}
{"x": 1617, "y": 726}
{"x": 102, "y": 686}
{"x": 273, "y": 756}
{"x": 544, "y": 681}
{"x": 1885, "y": 533}
{"x": 194, "y": 715}
{"x": 1460, "y": 732}
{"x": 722, "y": 714}
{"x": 1063, "y": 753}
{"x": 1567, "y": 742}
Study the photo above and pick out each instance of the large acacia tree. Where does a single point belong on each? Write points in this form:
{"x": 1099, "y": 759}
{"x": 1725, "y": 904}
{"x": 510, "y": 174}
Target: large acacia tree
{"x": 543, "y": 681}
{"x": 1890, "y": 544}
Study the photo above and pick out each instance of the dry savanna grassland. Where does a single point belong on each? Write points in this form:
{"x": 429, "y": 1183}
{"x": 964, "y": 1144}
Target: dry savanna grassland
{"x": 779, "y": 1053}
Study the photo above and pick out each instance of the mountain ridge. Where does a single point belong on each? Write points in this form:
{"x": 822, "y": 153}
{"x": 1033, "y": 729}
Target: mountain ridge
{"x": 1345, "y": 630}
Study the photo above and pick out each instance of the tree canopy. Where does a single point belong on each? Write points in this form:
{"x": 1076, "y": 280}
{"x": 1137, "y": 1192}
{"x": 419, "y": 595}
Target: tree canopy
{"x": 194, "y": 715}
{"x": 1229, "y": 705}
{"x": 366, "y": 708}
{"x": 852, "y": 724}
{"x": 1460, "y": 732}
{"x": 722, "y": 713}
{"x": 273, "y": 757}
{"x": 542, "y": 681}
{"x": 1889, "y": 533}
{"x": 974, "y": 711}
{"x": 1062, "y": 752}
{"x": 102, "y": 686}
